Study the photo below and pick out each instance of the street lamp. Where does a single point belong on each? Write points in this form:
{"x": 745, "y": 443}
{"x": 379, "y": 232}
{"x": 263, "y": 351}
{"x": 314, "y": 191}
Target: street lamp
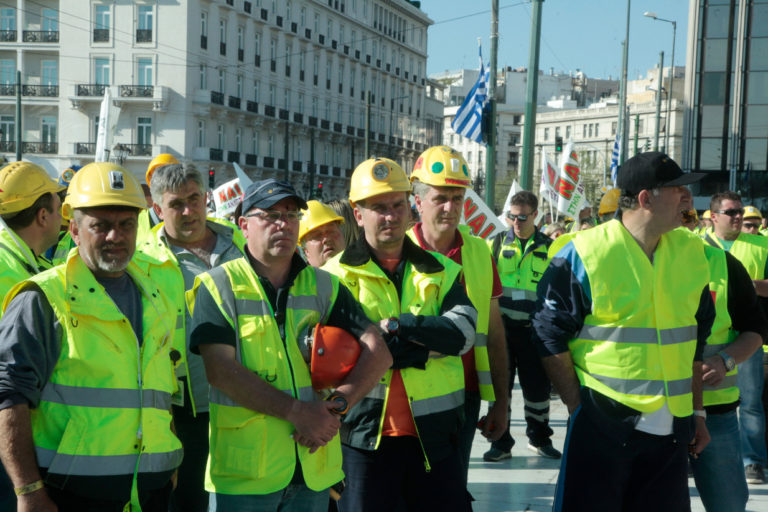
{"x": 653, "y": 16}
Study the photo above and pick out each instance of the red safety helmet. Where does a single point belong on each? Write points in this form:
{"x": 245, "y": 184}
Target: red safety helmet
{"x": 334, "y": 354}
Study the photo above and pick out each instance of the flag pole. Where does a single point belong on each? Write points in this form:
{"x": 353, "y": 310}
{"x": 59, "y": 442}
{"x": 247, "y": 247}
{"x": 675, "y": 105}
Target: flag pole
{"x": 490, "y": 149}
{"x": 529, "y": 128}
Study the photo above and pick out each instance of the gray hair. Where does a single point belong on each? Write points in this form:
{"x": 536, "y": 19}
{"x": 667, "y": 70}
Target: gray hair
{"x": 171, "y": 177}
{"x": 628, "y": 201}
{"x": 419, "y": 189}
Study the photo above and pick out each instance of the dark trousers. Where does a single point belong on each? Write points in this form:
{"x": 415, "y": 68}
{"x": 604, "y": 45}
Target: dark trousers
{"x": 602, "y": 474}
{"x": 190, "y": 494}
{"x": 468, "y": 429}
{"x": 534, "y": 383}
{"x": 394, "y": 479}
{"x": 152, "y": 501}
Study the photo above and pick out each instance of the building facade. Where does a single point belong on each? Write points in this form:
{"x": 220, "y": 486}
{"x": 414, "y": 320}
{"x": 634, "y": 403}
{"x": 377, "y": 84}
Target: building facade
{"x": 283, "y": 88}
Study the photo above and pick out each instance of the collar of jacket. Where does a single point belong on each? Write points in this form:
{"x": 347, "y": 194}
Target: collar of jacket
{"x": 538, "y": 237}
{"x": 359, "y": 253}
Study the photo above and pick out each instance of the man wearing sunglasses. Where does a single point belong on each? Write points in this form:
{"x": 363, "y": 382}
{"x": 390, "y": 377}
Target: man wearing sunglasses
{"x": 623, "y": 314}
{"x": 752, "y": 251}
{"x": 753, "y": 221}
{"x": 521, "y": 257}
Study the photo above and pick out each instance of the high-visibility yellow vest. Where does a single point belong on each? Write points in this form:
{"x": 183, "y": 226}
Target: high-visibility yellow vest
{"x": 638, "y": 342}
{"x": 106, "y": 407}
{"x": 520, "y": 269}
{"x": 750, "y": 250}
{"x": 63, "y": 247}
{"x": 478, "y": 281}
{"x": 436, "y": 394}
{"x": 16, "y": 261}
{"x": 251, "y": 452}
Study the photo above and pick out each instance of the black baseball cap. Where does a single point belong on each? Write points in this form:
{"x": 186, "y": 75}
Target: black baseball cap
{"x": 266, "y": 193}
{"x": 652, "y": 169}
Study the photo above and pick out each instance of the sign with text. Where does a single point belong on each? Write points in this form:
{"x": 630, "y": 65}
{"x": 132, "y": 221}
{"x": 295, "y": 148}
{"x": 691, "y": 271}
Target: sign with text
{"x": 479, "y": 217}
{"x": 226, "y": 197}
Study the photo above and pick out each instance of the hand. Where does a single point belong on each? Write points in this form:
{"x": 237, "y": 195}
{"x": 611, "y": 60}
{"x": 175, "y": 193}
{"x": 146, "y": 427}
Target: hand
{"x": 315, "y": 424}
{"x": 700, "y": 439}
{"x": 496, "y": 422}
{"x": 37, "y": 501}
{"x": 713, "y": 370}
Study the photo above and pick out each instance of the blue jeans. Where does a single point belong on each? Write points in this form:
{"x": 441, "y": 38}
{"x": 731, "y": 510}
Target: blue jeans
{"x": 751, "y": 415}
{"x": 718, "y": 471}
{"x": 296, "y": 497}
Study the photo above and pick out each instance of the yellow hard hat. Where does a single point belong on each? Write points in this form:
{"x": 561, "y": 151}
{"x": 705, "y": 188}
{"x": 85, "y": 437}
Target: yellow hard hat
{"x": 317, "y": 214}
{"x": 706, "y": 215}
{"x": 750, "y": 212}
{"x": 161, "y": 159}
{"x": 377, "y": 176}
{"x": 442, "y": 166}
{"x": 21, "y": 184}
{"x": 609, "y": 202}
{"x": 103, "y": 184}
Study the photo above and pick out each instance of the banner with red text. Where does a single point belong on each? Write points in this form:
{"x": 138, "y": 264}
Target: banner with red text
{"x": 479, "y": 216}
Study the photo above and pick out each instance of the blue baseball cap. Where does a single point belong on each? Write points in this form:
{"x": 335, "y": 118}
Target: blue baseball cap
{"x": 266, "y": 193}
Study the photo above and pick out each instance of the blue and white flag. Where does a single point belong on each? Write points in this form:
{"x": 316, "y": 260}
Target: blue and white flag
{"x": 615, "y": 158}
{"x": 469, "y": 118}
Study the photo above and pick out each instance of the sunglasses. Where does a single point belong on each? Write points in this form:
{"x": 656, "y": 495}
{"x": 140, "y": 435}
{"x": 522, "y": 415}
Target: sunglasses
{"x": 731, "y": 212}
{"x": 750, "y": 225}
{"x": 273, "y": 216}
{"x": 521, "y": 217}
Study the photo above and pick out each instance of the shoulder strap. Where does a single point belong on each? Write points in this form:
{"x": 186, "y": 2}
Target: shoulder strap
{"x": 496, "y": 248}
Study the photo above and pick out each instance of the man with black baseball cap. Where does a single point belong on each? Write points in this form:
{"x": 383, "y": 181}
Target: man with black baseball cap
{"x": 621, "y": 325}
{"x": 274, "y": 442}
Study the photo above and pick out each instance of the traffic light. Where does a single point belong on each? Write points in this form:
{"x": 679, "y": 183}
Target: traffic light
{"x": 211, "y": 178}
{"x": 558, "y": 144}
{"x": 318, "y": 192}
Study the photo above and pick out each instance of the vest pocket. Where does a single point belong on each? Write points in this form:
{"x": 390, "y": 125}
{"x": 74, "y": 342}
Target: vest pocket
{"x": 70, "y": 446}
{"x": 239, "y": 448}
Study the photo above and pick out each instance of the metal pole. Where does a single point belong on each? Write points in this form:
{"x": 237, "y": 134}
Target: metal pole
{"x": 286, "y": 154}
{"x": 18, "y": 116}
{"x": 668, "y": 126}
{"x": 367, "y": 126}
{"x": 312, "y": 163}
{"x": 490, "y": 149}
{"x": 529, "y": 127}
{"x": 637, "y": 130}
{"x": 658, "y": 102}
{"x": 623, "y": 89}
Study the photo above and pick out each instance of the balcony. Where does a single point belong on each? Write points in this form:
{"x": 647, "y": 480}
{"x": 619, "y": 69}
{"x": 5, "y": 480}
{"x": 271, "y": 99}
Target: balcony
{"x": 323, "y": 169}
{"x": 350, "y": 130}
{"x": 136, "y": 91}
{"x": 320, "y": 38}
{"x": 44, "y": 91}
{"x": 143, "y": 35}
{"x": 240, "y": 54}
{"x": 337, "y": 127}
{"x": 283, "y": 114}
{"x": 279, "y": 21}
{"x": 264, "y": 15}
{"x": 294, "y": 27}
{"x": 101, "y": 35}
{"x": 325, "y": 125}
{"x": 136, "y": 149}
{"x": 40, "y": 36}
{"x": 269, "y": 110}
{"x": 234, "y": 102}
{"x": 273, "y": 65}
{"x": 215, "y": 155}
{"x": 346, "y": 49}
{"x": 45, "y": 148}
{"x": 361, "y": 132}
{"x": 297, "y": 166}
{"x": 357, "y": 54}
{"x": 222, "y": 48}
{"x": 231, "y": 2}
{"x": 204, "y": 42}
{"x": 378, "y": 63}
{"x": 381, "y": 137}
{"x": 269, "y": 162}
{"x": 85, "y": 148}
{"x": 90, "y": 89}
{"x": 312, "y": 121}
{"x": 247, "y": 7}
{"x": 252, "y": 106}
{"x": 337, "y": 171}
{"x": 7, "y": 146}
{"x": 233, "y": 156}
{"x": 251, "y": 159}
{"x": 217, "y": 98}
{"x": 281, "y": 163}
{"x": 308, "y": 33}
{"x": 8, "y": 36}
{"x": 334, "y": 44}
{"x": 257, "y": 61}
{"x": 298, "y": 118}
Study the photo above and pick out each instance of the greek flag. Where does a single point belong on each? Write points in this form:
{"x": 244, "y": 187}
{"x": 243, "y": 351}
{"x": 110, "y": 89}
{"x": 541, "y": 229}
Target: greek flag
{"x": 615, "y": 158}
{"x": 469, "y": 118}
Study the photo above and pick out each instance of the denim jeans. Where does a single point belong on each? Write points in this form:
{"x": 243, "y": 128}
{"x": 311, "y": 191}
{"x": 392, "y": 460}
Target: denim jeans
{"x": 297, "y": 497}
{"x": 751, "y": 414}
{"x": 718, "y": 471}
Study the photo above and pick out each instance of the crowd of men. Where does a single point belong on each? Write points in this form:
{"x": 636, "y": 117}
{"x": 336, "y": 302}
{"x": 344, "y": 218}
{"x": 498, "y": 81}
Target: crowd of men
{"x": 156, "y": 358}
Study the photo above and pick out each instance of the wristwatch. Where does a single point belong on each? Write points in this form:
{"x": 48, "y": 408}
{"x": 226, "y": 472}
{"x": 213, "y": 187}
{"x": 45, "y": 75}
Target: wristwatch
{"x": 393, "y": 326}
{"x": 342, "y": 406}
{"x": 730, "y": 363}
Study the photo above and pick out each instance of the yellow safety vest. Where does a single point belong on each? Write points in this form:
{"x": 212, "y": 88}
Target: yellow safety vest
{"x": 251, "y": 452}
{"x": 16, "y": 261}
{"x": 63, "y": 247}
{"x": 106, "y": 407}
{"x": 436, "y": 393}
{"x": 478, "y": 281}
{"x": 638, "y": 342}
{"x": 750, "y": 250}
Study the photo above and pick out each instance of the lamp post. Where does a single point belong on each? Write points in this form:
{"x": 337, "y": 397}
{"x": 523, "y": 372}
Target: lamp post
{"x": 653, "y": 16}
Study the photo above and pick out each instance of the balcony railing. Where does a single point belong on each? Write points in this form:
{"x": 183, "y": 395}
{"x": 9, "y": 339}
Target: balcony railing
{"x": 143, "y": 35}
{"x": 337, "y": 127}
{"x": 325, "y": 125}
{"x": 298, "y": 118}
{"x": 91, "y": 89}
{"x": 101, "y": 35}
{"x": 234, "y": 102}
{"x": 233, "y": 156}
{"x": 251, "y": 159}
{"x": 217, "y": 97}
{"x": 7, "y": 146}
{"x": 360, "y": 132}
{"x": 269, "y": 162}
{"x": 216, "y": 155}
{"x": 136, "y": 149}
{"x": 40, "y": 36}
{"x": 323, "y": 169}
{"x": 45, "y": 91}
{"x": 297, "y": 165}
{"x": 8, "y": 36}
{"x": 283, "y": 114}
{"x": 85, "y": 148}
{"x": 252, "y": 106}
{"x": 264, "y": 14}
{"x": 312, "y": 121}
{"x": 350, "y": 130}
{"x": 281, "y": 163}
{"x": 247, "y": 7}
{"x": 337, "y": 171}
{"x": 269, "y": 110}
{"x": 40, "y": 147}
{"x": 137, "y": 91}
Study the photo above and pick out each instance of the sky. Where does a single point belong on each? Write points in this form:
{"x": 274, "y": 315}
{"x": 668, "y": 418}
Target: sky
{"x": 581, "y": 35}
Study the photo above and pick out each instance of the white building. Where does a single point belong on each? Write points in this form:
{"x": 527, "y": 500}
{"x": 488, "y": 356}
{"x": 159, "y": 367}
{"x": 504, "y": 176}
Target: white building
{"x": 272, "y": 85}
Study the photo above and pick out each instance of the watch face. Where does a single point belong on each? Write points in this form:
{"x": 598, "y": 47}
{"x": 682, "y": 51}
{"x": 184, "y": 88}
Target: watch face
{"x": 393, "y": 325}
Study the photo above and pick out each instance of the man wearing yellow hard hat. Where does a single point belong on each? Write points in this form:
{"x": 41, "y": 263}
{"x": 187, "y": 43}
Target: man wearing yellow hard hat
{"x": 402, "y": 435}
{"x": 753, "y": 221}
{"x": 439, "y": 179}
{"x": 609, "y": 203}
{"x": 149, "y": 218}
{"x": 320, "y": 233}
{"x": 86, "y": 375}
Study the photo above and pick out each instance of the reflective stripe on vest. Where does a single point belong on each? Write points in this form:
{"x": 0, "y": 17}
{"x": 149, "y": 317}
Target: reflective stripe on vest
{"x": 105, "y": 397}
{"x": 106, "y": 465}
{"x": 646, "y": 387}
{"x": 638, "y": 334}
{"x": 520, "y": 269}
{"x": 438, "y": 403}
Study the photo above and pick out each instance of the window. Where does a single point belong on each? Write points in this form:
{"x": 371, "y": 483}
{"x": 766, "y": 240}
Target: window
{"x": 316, "y": 22}
{"x": 203, "y": 77}
{"x": 286, "y": 99}
{"x": 300, "y": 108}
{"x": 288, "y": 12}
{"x": 102, "y": 17}
{"x": 144, "y": 71}
{"x": 546, "y": 133}
{"x": 7, "y": 20}
{"x": 49, "y": 72}
{"x": 95, "y": 128}
{"x": 255, "y": 143}
{"x": 341, "y": 34}
{"x": 257, "y": 43}
{"x": 223, "y": 31}
{"x": 614, "y": 125}
{"x": 48, "y": 129}
{"x": 204, "y": 23}
{"x": 567, "y": 133}
{"x": 330, "y": 29}
{"x": 101, "y": 71}
{"x": 303, "y": 16}
{"x": 597, "y": 129}
{"x": 144, "y": 130}
{"x": 50, "y": 20}
{"x": 220, "y": 136}
{"x": 584, "y": 131}
{"x": 314, "y": 106}
{"x": 298, "y": 150}
{"x": 272, "y": 93}
{"x": 239, "y": 85}
{"x": 256, "y": 91}
{"x": 145, "y": 17}
{"x": 238, "y": 139}
{"x": 273, "y": 49}
{"x": 328, "y": 110}
{"x": 8, "y": 128}
{"x": 222, "y": 81}
{"x": 270, "y": 145}
{"x": 200, "y": 133}
{"x": 240, "y": 37}
{"x": 590, "y": 129}
{"x": 557, "y": 131}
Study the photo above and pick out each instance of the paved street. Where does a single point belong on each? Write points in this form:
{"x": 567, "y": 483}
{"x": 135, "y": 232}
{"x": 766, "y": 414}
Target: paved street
{"x": 526, "y": 482}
